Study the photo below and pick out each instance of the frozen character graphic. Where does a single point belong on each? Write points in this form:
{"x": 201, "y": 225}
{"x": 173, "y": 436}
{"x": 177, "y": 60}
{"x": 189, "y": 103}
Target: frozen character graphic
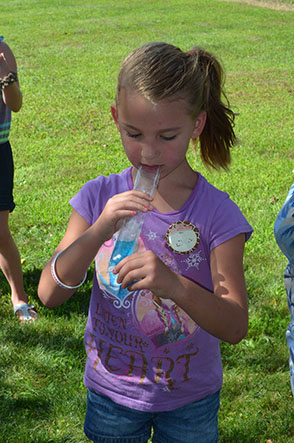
{"x": 161, "y": 320}
{"x": 106, "y": 279}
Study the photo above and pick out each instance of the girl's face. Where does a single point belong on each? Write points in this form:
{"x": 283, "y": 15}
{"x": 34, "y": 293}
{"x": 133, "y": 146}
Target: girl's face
{"x": 156, "y": 134}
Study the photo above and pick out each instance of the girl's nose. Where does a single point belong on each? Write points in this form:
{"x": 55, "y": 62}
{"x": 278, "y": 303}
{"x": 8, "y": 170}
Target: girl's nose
{"x": 149, "y": 151}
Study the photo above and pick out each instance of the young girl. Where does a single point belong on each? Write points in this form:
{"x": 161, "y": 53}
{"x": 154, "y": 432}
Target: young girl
{"x": 284, "y": 233}
{"x": 153, "y": 357}
{"x": 10, "y": 100}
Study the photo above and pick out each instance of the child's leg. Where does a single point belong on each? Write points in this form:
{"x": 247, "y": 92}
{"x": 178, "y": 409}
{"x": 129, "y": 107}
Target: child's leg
{"x": 10, "y": 263}
{"x": 196, "y": 422}
{"x": 9, "y": 256}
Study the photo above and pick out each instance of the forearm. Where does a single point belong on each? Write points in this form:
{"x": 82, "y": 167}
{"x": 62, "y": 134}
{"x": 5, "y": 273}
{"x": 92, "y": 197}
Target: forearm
{"x": 70, "y": 267}
{"x": 82, "y": 242}
{"x": 217, "y": 314}
{"x": 12, "y": 97}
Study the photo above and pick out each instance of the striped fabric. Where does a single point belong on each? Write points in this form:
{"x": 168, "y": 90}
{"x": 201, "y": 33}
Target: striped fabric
{"x": 5, "y": 116}
{"x": 5, "y": 121}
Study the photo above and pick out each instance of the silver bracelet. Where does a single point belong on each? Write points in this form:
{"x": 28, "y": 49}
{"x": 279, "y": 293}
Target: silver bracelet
{"x": 56, "y": 279}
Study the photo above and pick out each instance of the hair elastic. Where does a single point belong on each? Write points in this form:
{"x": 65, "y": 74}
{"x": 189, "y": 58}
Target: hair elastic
{"x": 56, "y": 279}
{"x": 191, "y": 52}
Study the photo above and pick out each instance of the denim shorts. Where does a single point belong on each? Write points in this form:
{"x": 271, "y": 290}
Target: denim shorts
{"x": 6, "y": 178}
{"x": 109, "y": 422}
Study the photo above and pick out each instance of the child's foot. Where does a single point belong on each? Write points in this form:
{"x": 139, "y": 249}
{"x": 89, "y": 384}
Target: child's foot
{"x": 25, "y": 312}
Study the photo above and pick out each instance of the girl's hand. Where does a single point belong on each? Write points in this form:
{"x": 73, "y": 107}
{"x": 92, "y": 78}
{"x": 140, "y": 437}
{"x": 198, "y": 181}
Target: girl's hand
{"x": 144, "y": 270}
{"x": 120, "y": 206}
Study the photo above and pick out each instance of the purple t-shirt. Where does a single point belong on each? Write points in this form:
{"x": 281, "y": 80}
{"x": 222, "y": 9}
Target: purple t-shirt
{"x": 144, "y": 352}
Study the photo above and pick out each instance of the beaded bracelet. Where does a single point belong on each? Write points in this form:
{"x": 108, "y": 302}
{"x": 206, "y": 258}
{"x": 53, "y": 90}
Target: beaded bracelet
{"x": 8, "y": 80}
{"x": 56, "y": 279}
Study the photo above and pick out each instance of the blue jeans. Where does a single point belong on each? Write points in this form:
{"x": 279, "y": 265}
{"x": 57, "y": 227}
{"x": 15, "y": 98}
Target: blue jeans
{"x": 109, "y": 422}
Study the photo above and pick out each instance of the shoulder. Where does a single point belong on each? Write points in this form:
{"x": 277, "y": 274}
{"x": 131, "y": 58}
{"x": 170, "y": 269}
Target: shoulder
{"x": 210, "y": 193}
{"x": 110, "y": 185}
{"x": 223, "y": 216}
{"x": 6, "y": 49}
{"x": 93, "y": 196}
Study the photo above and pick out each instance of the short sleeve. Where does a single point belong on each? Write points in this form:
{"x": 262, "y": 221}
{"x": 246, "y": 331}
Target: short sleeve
{"x": 85, "y": 201}
{"x": 90, "y": 201}
{"x": 228, "y": 221}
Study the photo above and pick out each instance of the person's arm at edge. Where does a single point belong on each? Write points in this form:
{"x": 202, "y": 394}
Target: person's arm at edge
{"x": 12, "y": 95}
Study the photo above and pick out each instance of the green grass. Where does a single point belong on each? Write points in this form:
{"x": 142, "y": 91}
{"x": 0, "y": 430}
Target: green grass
{"x": 68, "y": 54}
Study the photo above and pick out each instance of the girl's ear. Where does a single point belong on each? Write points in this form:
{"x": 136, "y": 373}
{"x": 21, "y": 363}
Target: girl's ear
{"x": 199, "y": 124}
{"x": 114, "y": 113}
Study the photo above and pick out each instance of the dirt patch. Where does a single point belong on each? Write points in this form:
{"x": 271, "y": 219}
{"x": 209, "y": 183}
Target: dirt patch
{"x": 266, "y": 4}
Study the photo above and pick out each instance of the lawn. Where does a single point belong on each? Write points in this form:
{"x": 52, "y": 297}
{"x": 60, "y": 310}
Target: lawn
{"x": 68, "y": 54}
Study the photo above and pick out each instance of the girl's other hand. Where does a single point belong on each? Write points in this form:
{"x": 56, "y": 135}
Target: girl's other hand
{"x": 144, "y": 270}
{"x": 120, "y": 206}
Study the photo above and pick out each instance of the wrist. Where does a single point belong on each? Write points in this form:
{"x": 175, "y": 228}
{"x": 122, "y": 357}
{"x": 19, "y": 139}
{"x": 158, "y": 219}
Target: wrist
{"x": 8, "y": 79}
{"x": 102, "y": 231}
{"x": 57, "y": 279}
{"x": 177, "y": 288}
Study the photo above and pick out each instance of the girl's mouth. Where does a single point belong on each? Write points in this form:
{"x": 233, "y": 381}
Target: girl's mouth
{"x": 150, "y": 167}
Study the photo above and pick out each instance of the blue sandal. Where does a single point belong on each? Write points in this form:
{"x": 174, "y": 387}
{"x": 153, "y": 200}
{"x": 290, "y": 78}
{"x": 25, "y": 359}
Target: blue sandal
{"x": 24, "y": 309}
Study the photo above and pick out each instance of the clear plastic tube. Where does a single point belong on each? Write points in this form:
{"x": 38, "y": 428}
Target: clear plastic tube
{"x": 127, "y": 240}
{"x": 128, "y": 235}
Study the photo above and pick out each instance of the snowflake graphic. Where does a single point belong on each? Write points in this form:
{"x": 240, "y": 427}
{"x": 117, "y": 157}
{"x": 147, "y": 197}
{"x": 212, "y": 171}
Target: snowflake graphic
{"x": 194, "y": 260}
{"x": 152, "y": 236}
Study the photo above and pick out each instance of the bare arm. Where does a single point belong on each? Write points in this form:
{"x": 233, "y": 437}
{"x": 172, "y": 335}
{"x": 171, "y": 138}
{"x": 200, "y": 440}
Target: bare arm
{"x": 12, "y": 95}
{"x": 81, "y": 243}
{"x": 50, "y": 293}
{"x": 223, "y": 313}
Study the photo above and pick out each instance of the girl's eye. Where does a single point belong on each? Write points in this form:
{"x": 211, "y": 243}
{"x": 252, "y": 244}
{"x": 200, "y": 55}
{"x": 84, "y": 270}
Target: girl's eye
{"x": 168, "y": 138}
{"x": 129, "y": 134}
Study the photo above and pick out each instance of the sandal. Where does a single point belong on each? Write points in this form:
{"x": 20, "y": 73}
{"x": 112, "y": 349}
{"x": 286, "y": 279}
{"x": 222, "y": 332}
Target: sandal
{"x": 24, "y": 309}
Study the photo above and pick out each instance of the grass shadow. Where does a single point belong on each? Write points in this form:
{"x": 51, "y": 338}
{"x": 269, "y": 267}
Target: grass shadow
{"x": 42, "y": 366}
{"x": 78, "y": 303}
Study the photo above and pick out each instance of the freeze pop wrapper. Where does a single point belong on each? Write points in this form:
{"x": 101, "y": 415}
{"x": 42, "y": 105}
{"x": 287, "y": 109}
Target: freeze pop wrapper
{"x": 127, "y": 240}
{"x": 127, "y": 237}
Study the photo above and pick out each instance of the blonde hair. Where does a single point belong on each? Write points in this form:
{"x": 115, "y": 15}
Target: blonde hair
{"x": 160, "y": 71}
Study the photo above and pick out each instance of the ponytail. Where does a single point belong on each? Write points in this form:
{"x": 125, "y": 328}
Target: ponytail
{"x": 218, "y": 134}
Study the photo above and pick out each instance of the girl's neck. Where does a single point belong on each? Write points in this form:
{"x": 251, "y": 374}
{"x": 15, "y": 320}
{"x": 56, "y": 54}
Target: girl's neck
{"x": 170, "y": 195}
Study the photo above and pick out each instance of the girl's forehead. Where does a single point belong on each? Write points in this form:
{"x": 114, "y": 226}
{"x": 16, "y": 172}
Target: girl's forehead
{"x": 134, "y": 110}
{"x": 129, "y": 99}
